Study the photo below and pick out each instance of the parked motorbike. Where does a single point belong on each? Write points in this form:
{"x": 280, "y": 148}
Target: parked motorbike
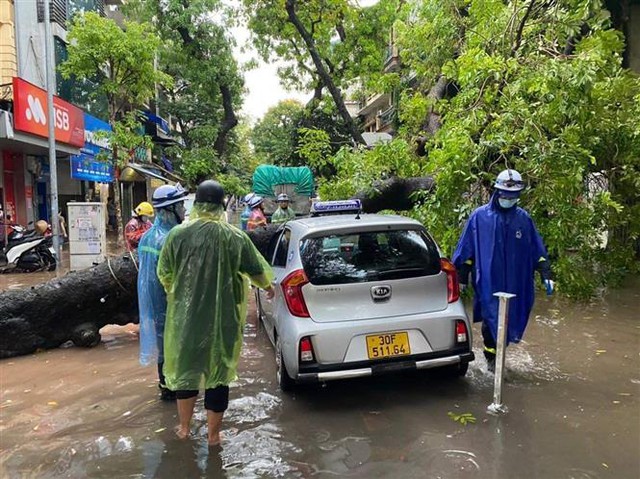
{"x": 28, "y": 250}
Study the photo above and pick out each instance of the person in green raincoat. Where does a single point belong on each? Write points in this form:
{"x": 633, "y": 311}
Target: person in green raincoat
{"x": 283, "y": 213}
{"x": 206, "y": 266}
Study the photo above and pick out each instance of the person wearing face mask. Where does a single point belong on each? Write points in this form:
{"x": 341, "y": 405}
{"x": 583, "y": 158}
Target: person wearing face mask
{"x": 138, "y": 225}
{"x": 168, "y": 202}
{"x": 501, "y": 249}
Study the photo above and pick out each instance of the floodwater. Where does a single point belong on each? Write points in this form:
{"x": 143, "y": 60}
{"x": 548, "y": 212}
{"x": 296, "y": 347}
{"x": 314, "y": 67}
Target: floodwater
{"x": 572, "y": 389}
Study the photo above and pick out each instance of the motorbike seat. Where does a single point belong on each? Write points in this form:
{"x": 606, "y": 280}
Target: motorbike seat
{"x": 25, "y": 239}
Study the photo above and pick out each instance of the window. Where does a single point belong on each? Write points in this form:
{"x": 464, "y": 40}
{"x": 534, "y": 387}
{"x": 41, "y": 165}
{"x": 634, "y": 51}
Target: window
{"x": 58, "y": 12}
{"x": 78, "y": 6}
{"x": 80, "y": 93}
{"x": 63, "y": 87}
{"x": 282, "y": 248}
{"x": 369, "y": 256}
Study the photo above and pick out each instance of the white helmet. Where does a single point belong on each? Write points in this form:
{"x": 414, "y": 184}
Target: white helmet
{"x": 255, "y": 201}
{"x": 509, "y": 180}
{"x": 167, "y": 195}
{"x": 283, "y": 197}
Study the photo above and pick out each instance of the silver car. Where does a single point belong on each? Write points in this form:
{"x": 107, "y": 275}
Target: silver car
{"x": 360, "y": 295}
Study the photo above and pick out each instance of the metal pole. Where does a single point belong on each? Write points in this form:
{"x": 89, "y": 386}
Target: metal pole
{"x": 497, "y": 407}
{"x": 49, "y": 66}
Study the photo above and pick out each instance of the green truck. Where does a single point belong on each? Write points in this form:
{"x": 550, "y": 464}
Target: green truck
{"x": 295, "y": 181}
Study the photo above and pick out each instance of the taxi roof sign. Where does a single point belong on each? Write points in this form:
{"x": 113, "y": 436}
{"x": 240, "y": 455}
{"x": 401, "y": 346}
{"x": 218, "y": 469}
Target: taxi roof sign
{"x": 336, "y": 207}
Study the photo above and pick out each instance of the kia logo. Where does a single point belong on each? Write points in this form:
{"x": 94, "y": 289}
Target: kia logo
{"x": 380, "y": 293}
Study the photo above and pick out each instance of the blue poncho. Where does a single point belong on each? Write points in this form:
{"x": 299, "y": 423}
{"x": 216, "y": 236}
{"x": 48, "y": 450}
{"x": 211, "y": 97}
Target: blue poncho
{"x": 504, "y": 248}
{"x": 152, "y": 300}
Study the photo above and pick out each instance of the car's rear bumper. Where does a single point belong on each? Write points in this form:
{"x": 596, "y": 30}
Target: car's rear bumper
{"x": 340, "y": 372}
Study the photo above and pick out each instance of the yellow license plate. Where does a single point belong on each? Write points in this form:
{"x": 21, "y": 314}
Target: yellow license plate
{"x": 388, "y": 345}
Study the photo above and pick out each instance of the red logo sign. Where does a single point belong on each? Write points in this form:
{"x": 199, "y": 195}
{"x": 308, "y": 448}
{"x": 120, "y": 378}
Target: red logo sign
{"x": 30, "y": 114}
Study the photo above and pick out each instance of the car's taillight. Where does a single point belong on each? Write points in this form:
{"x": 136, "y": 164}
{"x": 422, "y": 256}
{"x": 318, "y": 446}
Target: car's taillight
{"x": 453, "y": 288}
{"x": 306, "y": 350}
{"x": 292, "y": 289}
{"x": 461, "y": 332}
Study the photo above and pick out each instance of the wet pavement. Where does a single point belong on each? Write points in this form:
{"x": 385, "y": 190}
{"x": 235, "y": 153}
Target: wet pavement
{"x": 572, "y": 389}
{"x": 15, "y": 280}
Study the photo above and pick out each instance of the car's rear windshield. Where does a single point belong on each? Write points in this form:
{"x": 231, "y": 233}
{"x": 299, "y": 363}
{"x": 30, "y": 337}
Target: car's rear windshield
{"x": 369, "y": 256}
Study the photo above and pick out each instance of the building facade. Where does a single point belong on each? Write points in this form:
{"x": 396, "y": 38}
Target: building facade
{"x": 24, "y": 165}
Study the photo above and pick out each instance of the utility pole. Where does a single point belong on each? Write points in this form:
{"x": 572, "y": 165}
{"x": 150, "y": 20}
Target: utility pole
{"x": 49, "y": 65}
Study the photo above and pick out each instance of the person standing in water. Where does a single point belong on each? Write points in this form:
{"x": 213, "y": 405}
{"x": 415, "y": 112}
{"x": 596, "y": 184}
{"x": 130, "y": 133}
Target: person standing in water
{"x": 206, "y": 266}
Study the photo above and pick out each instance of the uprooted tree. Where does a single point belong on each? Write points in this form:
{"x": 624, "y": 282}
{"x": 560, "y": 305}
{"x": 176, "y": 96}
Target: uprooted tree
{"x": 75, "y": 307}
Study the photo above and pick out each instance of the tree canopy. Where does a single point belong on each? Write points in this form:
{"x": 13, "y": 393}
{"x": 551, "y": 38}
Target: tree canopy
{"x": 274, "y": 135}
{"x": 120, "y": 61}
{"x": 326, "y": 46}
{"x": 530, "y": 85}
{"x": 207, "y": 89}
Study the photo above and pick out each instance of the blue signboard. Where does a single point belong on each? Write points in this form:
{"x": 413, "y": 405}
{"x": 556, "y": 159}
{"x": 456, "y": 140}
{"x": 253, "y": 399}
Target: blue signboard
{"x": 85, "y": 166}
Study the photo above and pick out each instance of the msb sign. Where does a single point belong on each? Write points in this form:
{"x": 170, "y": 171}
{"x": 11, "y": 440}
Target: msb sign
{"x": 30, "y": 114}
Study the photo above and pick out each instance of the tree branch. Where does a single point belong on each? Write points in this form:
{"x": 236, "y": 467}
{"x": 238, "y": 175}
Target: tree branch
{"x": 299, "y": 54}
{"x": 228, "y": 123}
{"x": 518, "y": 41}
{"x": 322, "y": 71}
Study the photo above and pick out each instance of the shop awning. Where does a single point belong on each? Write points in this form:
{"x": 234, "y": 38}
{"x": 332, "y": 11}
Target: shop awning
{"x": 159, "y": 130}
{"x": 171, "y": 175}
{"x": 137, "y": 172}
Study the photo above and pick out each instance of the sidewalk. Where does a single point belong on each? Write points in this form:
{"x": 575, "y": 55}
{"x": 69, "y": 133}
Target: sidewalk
{"x": 26, "y": 280}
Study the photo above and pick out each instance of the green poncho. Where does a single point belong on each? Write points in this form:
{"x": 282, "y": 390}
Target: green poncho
{"x": 205, "y": 267}
{"x": 282, "y": 216}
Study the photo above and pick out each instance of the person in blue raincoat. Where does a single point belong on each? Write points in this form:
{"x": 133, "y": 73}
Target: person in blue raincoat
{"x": 246, "y": 212}
{"x": 168, "y": 202}
{"x": 501, "y": 248}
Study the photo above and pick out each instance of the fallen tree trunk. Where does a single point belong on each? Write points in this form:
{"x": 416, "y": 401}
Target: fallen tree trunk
{"x": 397, "y": 194}
{"x": 76, "y": 306}
{"x": 73, "y": 307}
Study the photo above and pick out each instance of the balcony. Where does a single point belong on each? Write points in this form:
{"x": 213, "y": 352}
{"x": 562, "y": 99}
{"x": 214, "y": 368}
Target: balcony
{"x": 375, "y": 103}
{"x": 59, "y": 12}
{"x": 64, "y": 10}
{"x": 391, "y": 59}
{"x": 385, "y": 120}
{"x": 387, "y": 117}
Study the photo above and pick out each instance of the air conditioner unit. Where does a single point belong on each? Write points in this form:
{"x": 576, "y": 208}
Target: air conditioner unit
{"x": 6, "y": 124}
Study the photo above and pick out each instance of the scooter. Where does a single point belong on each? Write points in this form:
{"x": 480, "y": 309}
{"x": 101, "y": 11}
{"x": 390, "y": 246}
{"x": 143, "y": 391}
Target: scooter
{"x": 27, "y": 251}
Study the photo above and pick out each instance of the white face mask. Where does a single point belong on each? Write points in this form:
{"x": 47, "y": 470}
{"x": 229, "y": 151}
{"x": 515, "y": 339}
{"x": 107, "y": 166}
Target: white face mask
{"x": 507, "y": 203}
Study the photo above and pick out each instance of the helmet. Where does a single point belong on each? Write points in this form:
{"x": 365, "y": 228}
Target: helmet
{"x": 283, "y": 197}
{"x": 509, "y": 180}
{"x": 255, "y": 201}
{"x": 167, "y": 195}
{"x": 210, "y": 191}
{"x": 144, "y": 209}
{"x": 248, "y": 197}
{"x": 41, "y": 226}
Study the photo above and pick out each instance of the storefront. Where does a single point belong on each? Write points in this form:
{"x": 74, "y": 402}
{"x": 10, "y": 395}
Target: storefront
{"x": 24, "y": 166}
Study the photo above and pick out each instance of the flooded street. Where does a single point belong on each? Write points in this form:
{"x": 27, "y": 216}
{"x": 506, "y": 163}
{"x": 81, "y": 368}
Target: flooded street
{"x": 572, "y": 390}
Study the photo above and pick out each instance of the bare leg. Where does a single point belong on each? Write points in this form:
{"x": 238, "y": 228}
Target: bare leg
{"x": 185, "y": 412}
{"x": 214, "y": 422}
